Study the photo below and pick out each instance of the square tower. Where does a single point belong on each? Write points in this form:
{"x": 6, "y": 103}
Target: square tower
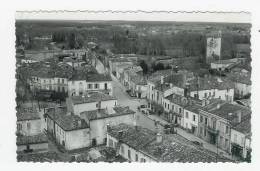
{"x": 213, "y": 47}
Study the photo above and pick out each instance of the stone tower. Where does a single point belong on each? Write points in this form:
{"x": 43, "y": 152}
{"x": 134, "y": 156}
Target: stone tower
{"x": 213, "y": 47}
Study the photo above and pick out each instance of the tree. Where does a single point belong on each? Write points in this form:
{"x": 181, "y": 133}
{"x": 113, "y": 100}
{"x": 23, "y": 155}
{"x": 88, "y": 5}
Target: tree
{"x": 144, "y": 66}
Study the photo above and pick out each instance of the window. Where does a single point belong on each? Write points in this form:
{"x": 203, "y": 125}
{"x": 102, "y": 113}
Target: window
{"x": 194, "y": 118}
{"x": 96, "y": 86}
{"x": 19, "y": 126}
{"x": 152, "y": 96}
{"x": 152, "y": 87}
{"x": 205, "y": 132}
{"x": 227, "y": 129}
{"x": 226, "y": 142}
{"x": 187, "y": 115}
{"x": 213, "y": 93}
{"x": 62, "y": 81}
{"x": 168, "y": 106}
{"x": 129, "y": 154}
{"x": 90, "y": 86}
{"x": 206, "y": 121}
{"x": 201, "y": 130}
{"x": 122, "y": 150}
{"x": 143, "y": 160}
{"x": 63, "y": 89}
{"x": 209, "y": 93}
{"x": 110, "y": 143}
{"x": 165, "y": 105}
{"x": 28, "y": 125}
{"x": 205, "y": 94}
{"x": 173, "y": 107}
{"x": 136, "y": 157}
{"x": 220, "y": 140}
{"x": 235, "y": 138}
{"x": 58, "y": 80}
{"x": 179, "y": 110}
{"x": 201, "y": 119}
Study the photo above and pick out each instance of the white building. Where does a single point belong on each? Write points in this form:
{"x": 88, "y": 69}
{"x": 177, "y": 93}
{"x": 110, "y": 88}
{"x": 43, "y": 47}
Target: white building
{"x": 92, "y": 101}
{"x": 241, "y": 139}
{"x": 191, "y": 118}
{"x": 212, "y": 88}
{"x": 81, "y": 84}
{"x": 70, "y": 131}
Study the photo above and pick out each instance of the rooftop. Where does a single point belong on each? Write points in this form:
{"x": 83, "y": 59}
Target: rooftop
{"x": 36, "y": 139}
{"x": 244, "y": 126}
{"x": 91, "y": 97}
{"x": 208, "y": 83}
{"x": 90, "y": 75}
{"x": 104, "y": 113}
{"x": 27, "y": 115}
{"x": 177, "y": 99}
{"x": 224, "y": 109}
{"x": 66, "y": 121}
{"x": 173, "y": 148}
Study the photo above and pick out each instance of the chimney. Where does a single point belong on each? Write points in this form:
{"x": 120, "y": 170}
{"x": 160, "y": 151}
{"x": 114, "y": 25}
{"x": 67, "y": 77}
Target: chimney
{"x": 159, "y": 138}
{"x": 162, "y": 80}
{"x": 120, "y": 134}
{"x": 239, "y": 115}
{"x": 108, "y": 127}
{"x": 79, "y": 123}
{"x": 203, "y": 102}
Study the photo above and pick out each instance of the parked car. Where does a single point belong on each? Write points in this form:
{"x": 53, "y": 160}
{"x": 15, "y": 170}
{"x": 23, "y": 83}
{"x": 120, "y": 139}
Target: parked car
{"x": 197, "y": 143}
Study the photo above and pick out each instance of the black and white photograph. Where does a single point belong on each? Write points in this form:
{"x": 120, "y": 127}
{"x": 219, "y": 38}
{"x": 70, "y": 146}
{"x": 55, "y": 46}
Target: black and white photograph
{"x": 142, "y": 87}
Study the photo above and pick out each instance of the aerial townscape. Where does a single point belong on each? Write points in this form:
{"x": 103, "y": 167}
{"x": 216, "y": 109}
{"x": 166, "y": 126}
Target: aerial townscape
{"x": 133, "y": 91}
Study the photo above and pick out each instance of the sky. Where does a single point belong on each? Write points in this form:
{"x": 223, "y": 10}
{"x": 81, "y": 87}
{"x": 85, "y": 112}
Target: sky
{"x": 241, "y": 17}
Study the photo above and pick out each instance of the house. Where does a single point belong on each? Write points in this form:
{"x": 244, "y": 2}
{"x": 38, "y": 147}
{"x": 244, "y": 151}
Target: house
{"x": 191, "y": 118}
{"x": 83, "y": 82}
{"x": 138, "y": 144}
{"x": 241, "y": 139}
{"x": 28, "y": 122}
{"x": 30, "y": 137}
{"x": 211, "y": 87}
{"x": 50, "y": 77}
{"x": 242, "y": 82}
{"x": 216, "y": 121}
{"x": 99, "y": 119}
{"x": 68, "y": 130}
{"x": 92, "y": 101}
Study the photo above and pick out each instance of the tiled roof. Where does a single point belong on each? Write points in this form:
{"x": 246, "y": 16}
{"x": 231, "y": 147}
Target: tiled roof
{"x": 66, "y": 121}
{"x": 209, "y": 83}
{"x": 92, "y": 97}
{"x": 224, "y": 109}
{"x": 177, "y": 99}
{"x": 244, "y": 78}
{"x": 173, "y": 148}
{"x": 244, "y": 126}
{"x": 36, "y": 139}
{"x": 27, "y": 115}
{"x": 193, "y": 108}
{"x": 43, "y": 70}
{"x": 90, "y": 76}
{"x": 103, "y": 113}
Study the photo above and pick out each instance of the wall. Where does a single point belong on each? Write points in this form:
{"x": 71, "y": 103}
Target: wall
{"x": 33, "y": 129}
{"x": 77, "y": 109}
{"x": 227, "y": 95}
{"x": 188, "y": 122}
{"x": 133, "y": 152}
{"x": 242, "y": 89}
{"x": 75, "y": 86}
{"x": 77, "y": 139}
{"x": 35, "y": 147}
{"x": 98, "y": 127}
